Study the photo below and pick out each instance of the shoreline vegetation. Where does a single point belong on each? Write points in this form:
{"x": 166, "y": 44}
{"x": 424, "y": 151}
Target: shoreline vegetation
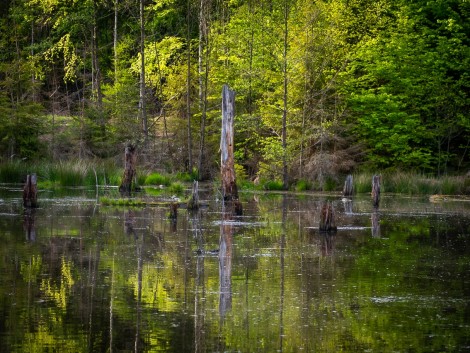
{"x": 92, "y": 174}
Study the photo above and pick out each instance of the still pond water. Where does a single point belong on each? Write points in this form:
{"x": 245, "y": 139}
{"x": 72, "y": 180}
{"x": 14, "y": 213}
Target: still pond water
{"x": 76, "y": 276}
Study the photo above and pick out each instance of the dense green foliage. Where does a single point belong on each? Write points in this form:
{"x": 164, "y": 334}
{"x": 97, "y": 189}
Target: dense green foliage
{"x": 361, "y": 84}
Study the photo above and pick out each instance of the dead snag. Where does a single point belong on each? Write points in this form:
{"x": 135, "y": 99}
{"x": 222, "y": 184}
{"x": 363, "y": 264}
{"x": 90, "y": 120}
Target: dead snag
{"x": 227, "y": 164}
{"x": 348, "y": 186}
{"x": 129, "y": 169}
{"x": 327, "y": 218}
{"x": 376, "y": 190}
{"x": 173, "y": 215}
{"x": 30, "y": 191}
{"x": 193, "y": 202}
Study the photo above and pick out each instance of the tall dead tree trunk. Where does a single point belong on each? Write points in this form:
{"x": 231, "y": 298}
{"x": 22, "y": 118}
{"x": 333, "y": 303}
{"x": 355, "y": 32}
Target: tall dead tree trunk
{"x": 130, "y": 159}
{"x": 227, "y": 163}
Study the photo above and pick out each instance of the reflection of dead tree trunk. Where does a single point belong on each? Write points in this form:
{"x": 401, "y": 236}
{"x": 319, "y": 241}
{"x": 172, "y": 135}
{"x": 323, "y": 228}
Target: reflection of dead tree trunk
{"x": 227, "y": 163}
{"x": 348, "y": 207}
{"x": 327, "y": 218}
{"x": 282, "y": 246}
{"x": 375, "y": 222}
{"x": 348, "y": 186}
{"x": 375, "y": 190}
{"x": 327, "y": 245}
{"x": 28, "y": 224}
{"x": 30, "y": 191}
{"x": 129, "y": 169}
{"x": 225, "y": 264}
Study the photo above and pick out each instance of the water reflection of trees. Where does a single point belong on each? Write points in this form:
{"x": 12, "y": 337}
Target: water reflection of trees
{"x": 294, "y": 280}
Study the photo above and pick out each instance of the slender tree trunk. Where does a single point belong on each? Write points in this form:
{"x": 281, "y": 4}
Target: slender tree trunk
{"x": 203, "y": 68}
{"x": 188, "y": 89}
{"x": 143, "y": 112}
{"x": 115, "y": 40}
{"x": 284, "y": 99}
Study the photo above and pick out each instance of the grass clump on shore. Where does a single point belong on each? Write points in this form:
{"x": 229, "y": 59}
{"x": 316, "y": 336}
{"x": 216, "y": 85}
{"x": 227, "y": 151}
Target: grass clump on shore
{"x": 414, "y": 184}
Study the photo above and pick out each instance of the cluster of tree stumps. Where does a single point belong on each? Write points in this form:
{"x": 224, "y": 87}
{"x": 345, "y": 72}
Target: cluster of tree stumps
{"x": 327, "y": 213}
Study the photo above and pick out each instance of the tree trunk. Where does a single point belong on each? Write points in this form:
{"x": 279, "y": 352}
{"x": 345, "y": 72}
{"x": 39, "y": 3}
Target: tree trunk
{"x": 227, "y": 163}
{"x": 348, "y": 186}
{"x": 143, "y": 111}
{"x": 327, "y": 218}
{"x": 188, "y": 90}
{"x": 30, "y": 191}
{"x": 193, "y": 203}
{"x": 129, "y": 169}
{"x": 285, "y": 181}
{"x": 376, "y": 190}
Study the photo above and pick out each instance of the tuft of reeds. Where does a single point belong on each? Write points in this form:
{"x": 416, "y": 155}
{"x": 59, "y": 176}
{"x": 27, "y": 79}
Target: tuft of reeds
{"x": 414, "y": 184}
{"x": 157, "y": 179}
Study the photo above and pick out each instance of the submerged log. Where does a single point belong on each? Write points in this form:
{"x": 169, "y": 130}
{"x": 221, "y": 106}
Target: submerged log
{"x": 30, "y": 191}
{"x": 129, "y": 169}
{"x": 193, "y": 202}
{"x": 376, "y": 190}
{"x": 348, "y": 186}
{"x": 227, "y": 164}
{"x": 327, "y": 218}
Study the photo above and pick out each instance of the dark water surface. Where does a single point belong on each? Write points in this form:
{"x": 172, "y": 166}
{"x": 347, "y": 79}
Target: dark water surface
{"x": 79, "y": 277}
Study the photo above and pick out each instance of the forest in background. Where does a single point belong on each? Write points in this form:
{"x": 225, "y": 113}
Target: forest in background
{"x": 323, "y": 88}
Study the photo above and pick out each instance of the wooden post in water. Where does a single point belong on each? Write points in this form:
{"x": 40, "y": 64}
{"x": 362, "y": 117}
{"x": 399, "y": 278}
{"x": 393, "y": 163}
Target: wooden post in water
{"x": 227, "y": 163}
{"x": 129, "y": 169}
{"x": 376, "y": 190}
{"x": 327, "y": 218}
{"x": 193, "y": 202}
{"x": 30, "y": 191}
{"x": 348, "y": 186}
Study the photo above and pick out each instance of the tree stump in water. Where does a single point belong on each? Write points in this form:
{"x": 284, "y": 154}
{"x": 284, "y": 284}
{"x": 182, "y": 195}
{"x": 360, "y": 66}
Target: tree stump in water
{"x": 129, "y": 169}
{"x": 193, "y": 202}
{"x": 30, "y": 191}
{"x": 348, "y": 186}
{"x": 376, "y": 190}
{"x": 327, "y": 218}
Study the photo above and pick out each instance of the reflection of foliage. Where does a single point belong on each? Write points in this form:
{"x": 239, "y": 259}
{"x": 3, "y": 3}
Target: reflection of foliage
{"x": 30, "y": 270}
{"x": 59, "y": 294}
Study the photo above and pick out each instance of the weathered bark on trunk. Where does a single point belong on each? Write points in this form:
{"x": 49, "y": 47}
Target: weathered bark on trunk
{"x": 227, "y": 164}
{"x": 327, "y": 218}
{"x": 348, "y": 186}
{"x": 193, "y": 203}
{"x": 30, "y": 191}
{"x": 129, "y": 169}
{"x": 376, "y": 190}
